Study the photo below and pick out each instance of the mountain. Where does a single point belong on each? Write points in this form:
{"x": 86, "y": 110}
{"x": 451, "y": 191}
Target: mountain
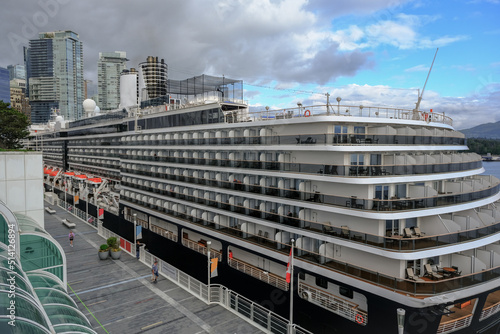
{"x": 487, "y": 131}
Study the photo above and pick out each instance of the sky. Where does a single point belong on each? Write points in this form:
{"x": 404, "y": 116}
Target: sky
{"x": 370, "y": 52}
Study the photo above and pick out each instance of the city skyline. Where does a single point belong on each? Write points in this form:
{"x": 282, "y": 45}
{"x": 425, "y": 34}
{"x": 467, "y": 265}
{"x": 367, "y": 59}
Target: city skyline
{"x": 369, "y": 52}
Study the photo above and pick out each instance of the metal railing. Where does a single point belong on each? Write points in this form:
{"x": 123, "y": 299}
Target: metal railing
{"x": 454, "y": 325}
{"x": 349, "y": 110}
{"x": 489, "y": 311}
{"x": 259, "y": 274}
{"x": 337, "y": 305}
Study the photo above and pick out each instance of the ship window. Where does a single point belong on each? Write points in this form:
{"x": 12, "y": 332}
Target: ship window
{"x": 302, "y": 275}
{"x": 382, "y": 192}
{"x": 346, "y": 292}
{"x": 321, "y": 282}
{"x": 357, "y": 159}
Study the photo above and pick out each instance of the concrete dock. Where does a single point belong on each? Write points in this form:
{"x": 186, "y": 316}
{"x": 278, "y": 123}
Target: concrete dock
{"x": 118, "y": 297}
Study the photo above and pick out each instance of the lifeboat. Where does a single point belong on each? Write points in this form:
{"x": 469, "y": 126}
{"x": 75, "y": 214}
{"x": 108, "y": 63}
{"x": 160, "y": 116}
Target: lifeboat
{"x": 95, "y": 180}
{"x": 54, "y": 172}
{"x": 69, "y": 174}
{"x": 81, "y": 177}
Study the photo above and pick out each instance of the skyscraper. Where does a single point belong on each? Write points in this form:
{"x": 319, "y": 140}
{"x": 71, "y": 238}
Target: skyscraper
{"x": 54, "y": 69}
{"x": 4, "y": 85}
{"x": 109, "y": 67}
{"x": 152, "y": 79}
{"x": 17, "y": 72}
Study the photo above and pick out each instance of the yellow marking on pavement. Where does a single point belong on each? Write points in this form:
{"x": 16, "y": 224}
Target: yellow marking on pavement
{"x": 102, "y": 301}
{"x": 146, "y": 327}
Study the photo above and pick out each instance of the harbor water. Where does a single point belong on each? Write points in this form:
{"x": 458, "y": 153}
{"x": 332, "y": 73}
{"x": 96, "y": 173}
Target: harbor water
{"x": 492, "y": 168}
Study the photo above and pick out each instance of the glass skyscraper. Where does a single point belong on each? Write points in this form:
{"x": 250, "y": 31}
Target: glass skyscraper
{"x": 54, "y": 69}
{"x": 109, "y": 68}
{"x": 16, "y": 72}
{"x": 4, "y": 85}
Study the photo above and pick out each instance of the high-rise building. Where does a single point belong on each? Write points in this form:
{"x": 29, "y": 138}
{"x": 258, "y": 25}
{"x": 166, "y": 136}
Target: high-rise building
{"x": 4, "y": 85}
{"x": 152, "y": 79}
{"x": 54, "y": 69}
{"x": 18, "y": 99}
{"x": 109, "y": 67}
{"x": 17, "y": 72}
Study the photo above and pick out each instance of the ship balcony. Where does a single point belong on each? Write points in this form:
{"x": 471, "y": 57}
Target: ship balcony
{"x": 482, "y": 187}
{"x": 311, "y": 139}
{"x": 423, "y": 287}
{"x": 467, "y": 162}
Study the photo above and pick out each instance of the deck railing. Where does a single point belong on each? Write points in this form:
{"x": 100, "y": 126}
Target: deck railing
{"x": 489, "y": 311}
{"x": 259, "y": 274}
{"x": 350, "y": 110}
{"x": 335, "y": 304}
{"x": 454, "y": 325}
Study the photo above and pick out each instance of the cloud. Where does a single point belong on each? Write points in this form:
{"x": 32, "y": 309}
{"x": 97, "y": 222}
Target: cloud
{"x": 418, "y": 68}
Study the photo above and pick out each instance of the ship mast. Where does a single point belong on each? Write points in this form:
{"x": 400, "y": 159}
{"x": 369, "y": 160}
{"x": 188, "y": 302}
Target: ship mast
{"x": 415, "y": 111}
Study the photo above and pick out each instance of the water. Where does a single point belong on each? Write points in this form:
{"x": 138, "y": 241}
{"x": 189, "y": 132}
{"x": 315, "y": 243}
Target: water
{"x": 492, "y": 168}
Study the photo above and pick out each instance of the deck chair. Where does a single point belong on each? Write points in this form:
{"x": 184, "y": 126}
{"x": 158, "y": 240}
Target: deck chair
{"x": 407, "y": 232}
{"x": 344, "y": 231}
{"x": 417, "y": 231}
{"x": 412, "y": 276}
{"x": 432, "y": 274}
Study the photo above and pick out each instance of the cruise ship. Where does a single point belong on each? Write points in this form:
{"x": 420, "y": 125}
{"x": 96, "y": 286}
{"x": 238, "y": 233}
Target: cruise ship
{"x": 394, "y": 227}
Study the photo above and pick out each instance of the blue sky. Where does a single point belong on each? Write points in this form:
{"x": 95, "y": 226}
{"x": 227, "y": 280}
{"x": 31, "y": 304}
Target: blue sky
{"x": 374, "y": 52}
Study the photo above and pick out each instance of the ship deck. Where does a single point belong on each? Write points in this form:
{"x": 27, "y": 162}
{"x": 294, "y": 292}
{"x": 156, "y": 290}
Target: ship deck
{"x": 121, "y": 297}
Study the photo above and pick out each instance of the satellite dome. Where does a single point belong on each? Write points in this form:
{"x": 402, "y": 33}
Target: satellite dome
{"x": 97, "y": 110}
{"x": 59, "y": 119}
{"x": 89, "y": 105}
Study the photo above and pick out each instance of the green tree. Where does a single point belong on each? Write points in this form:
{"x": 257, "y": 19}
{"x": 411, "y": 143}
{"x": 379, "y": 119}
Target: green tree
{"x": 13, "y": 127}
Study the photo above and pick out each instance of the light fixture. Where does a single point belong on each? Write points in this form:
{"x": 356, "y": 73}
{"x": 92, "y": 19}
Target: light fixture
{"x": 338, "y": 104}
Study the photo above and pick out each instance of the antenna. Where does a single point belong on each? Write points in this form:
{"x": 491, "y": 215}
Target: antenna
{"x": 423, "y": 89}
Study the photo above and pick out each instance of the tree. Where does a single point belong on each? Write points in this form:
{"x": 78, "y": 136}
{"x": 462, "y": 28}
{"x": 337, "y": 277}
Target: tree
{"x": 13, "y": 127}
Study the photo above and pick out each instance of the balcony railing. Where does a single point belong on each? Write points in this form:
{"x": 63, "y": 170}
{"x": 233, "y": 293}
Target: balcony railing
{"x": 455, "y": 324}
{"x": 335, "y": 304}
{"x": 375, "y": 277}
{"x": 318, "y": 169}
{"x": 300, "y": 139}
{"x": 259, "y": 274}
{"x": 398, "y": 243}
{"x": 351, "y": 202}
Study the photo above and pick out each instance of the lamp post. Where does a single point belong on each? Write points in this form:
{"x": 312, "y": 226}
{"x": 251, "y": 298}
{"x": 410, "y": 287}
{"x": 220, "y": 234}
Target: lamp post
{"x": 299, "y": 104}
{"x": 401, "y": 320}
{"x": 135, "y": 234}
{"x": 209, "y": 267}
{"x": 338, "y": 104}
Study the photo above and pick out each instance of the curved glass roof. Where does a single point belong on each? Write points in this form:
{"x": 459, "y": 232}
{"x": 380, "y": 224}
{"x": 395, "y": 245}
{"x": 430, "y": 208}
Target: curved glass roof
{"x": 24, "y": 308}
{"x": 54, "y": 296}
{"x": 42, "y": 304}
{"x": 63, "y": 314}
{"x": 22, "y": 327}
{"x": 42, "y": 281}
{"x": 66, "y": 328}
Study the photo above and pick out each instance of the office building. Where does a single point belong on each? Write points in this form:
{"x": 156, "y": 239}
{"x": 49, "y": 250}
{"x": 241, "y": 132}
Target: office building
{"x": 18, "y": 99}
{"x": 54, "y": 68}
{"x": 4, "y": 85}
{"x": 109, "y": 67}
{"x": 17, "y": 72}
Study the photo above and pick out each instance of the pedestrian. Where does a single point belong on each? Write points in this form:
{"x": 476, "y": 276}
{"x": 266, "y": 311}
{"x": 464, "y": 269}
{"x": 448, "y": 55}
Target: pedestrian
{"x": 138, "y": 249}
{"x": 154, "y": 271}
{"x": 71, "y": 237}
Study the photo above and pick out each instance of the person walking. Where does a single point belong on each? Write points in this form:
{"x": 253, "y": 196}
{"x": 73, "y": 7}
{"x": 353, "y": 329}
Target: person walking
{"x": 71, "y": 237}
{"x": 154, "y": 271}
{"x": 138, "y": 249}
